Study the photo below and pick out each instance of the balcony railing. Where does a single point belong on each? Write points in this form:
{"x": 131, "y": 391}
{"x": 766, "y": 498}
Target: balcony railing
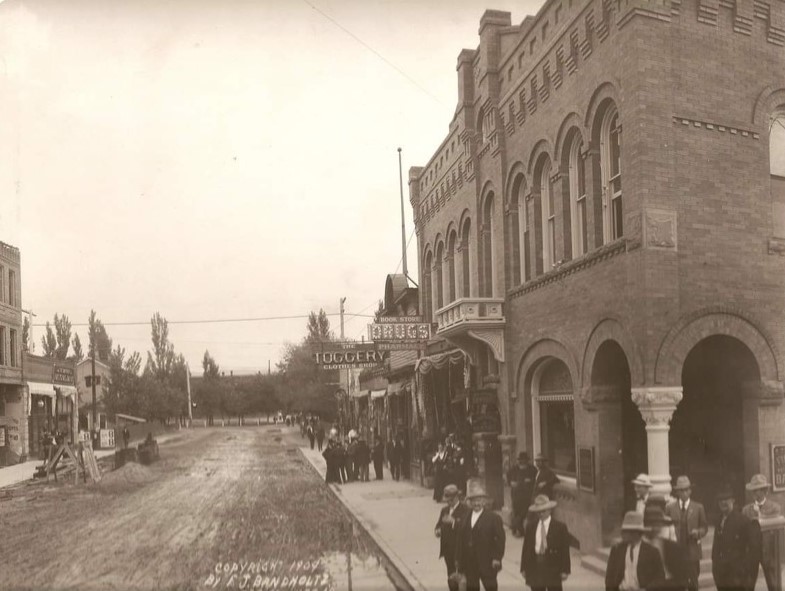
{"x": 471, "y": 313}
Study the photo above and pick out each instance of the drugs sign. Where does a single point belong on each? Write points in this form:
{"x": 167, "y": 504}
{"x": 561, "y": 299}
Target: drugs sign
{"x": 396, "y": 332}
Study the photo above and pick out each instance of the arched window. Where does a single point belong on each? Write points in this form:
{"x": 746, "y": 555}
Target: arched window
{"x": 427, "y": 300}
{"x": 466, "y": 259}
{"x": 451, "y": 280}
{"x": 777, "y": 145}
{"x": 578, "y": 197}
{"x": 610, "y": 163}
{"x": 488, "y": 240}
{"x": 548, "y": 218}
{"x": 518, "y": 245}
{"x": 553, "y": 415}
{"x": 438, "y": 277}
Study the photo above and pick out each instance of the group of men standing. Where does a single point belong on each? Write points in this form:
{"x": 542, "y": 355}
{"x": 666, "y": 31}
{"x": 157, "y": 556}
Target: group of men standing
{"x": 526, "y": 482}
{"x": 350, "y": 461}
{"x": 449, "y": 467}
{"x": 661, "y": 541}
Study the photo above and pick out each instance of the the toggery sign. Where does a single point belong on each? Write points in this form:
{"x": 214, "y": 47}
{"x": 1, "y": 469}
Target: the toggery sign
{"x": 348, "y": 356}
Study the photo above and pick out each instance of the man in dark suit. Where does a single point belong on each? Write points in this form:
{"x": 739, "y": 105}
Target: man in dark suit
{"x": 451, "y": 520}
{"x": 674, "y": 562}
{"x": 633, "y": 563}
{"x": 394, "y": 458}
{"x": 546, "y": 478}
{"x": 736, "y": 551}
{"x": 481, "y": 541}
{"x": 689, "y": 517}
{"x": 545, "y": 558}
{"x": 521, "y": 479}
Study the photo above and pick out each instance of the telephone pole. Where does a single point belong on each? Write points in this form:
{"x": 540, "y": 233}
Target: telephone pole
{"x": 343, "y": 301}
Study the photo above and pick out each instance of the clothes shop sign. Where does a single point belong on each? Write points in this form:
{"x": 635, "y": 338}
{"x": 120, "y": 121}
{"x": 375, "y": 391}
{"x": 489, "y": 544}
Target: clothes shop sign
{"x": 348, "y": 356}
{"x": 399, "y": 332}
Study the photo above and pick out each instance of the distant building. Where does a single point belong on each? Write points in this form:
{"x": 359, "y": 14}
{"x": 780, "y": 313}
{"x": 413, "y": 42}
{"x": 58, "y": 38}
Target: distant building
{"x": 84, "y": 385}
{"x": 13, "y": 397}
{"x": 601, "y": 235}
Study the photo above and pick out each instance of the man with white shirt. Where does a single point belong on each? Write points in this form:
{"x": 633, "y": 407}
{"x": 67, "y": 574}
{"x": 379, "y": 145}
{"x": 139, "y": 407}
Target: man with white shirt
{"x": 451, "y": 519}
{"x": 761, "y": 509}
{"x": 633, "y": 564}
{"x": 642, "y": 485}
{"x": 689, "y": 519}
{"x": 480, "y": 547}
{"x": 545, "y": 558}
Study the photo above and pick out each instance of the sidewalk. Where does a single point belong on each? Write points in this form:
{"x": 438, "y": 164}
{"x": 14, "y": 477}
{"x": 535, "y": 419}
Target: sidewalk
{"x": 400, "y": 517}
{"x": 17, "y": 473}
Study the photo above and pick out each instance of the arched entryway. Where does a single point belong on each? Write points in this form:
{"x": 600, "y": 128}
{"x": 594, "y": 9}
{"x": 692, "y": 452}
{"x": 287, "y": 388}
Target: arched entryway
{"x": 623, "y": 448}
{"x": 708, "y": 432}
{"x": 553, "y": 415}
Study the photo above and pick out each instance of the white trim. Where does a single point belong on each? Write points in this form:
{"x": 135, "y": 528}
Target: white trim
{"x": 576, "y": 229}
{"x": 523, "y": 219}
{"x": 606, "y": 169}
{"x": 546, "y": 215}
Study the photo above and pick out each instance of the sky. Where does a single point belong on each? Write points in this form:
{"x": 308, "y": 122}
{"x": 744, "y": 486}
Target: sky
{"x": 219, "y": 160}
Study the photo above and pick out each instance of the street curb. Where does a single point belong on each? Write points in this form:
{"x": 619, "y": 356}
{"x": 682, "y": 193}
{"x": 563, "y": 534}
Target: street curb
{"x": 405, "y": 572}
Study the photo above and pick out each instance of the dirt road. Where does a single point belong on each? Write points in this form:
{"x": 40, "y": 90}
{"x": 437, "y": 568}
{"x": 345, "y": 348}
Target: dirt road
{"x": 221, "y": 502}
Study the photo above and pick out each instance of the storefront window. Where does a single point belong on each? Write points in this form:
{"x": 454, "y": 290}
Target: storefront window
{"x": 554, "y": 404}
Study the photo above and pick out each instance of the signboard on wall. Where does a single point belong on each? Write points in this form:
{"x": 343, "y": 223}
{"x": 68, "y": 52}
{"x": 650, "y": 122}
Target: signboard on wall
{"x": 63, "y": 374}
{"x": 586, "y": 468}
{"x": 399, "y": 332}
{"x": 778, "y": 466}
{"x": 347, "y": 355}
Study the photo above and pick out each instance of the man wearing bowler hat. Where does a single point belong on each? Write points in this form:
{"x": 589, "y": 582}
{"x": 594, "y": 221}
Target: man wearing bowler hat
{"x": 546, "y": 478}
{"x": 763, "y": 508}
{"x": 545, "y": 558}
{"x": 451, "y": 519}
{"x": 481, "y": 541}
{"x": 521, "y": 478}
{"x": 689, "y": 517}
{"x": 736, "y": 551}
{"x": 633, "y": 564}
{"x": 642, "y": 485}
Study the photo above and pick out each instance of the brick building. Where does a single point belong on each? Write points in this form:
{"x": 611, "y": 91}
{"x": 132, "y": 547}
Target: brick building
{"x": 13, "y": 398}
{"x": 602, "y": 234}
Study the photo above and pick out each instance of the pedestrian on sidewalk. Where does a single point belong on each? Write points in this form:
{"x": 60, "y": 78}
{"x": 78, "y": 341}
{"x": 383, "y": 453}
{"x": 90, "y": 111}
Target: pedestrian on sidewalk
{"x": 642, "y": 485}
{"x": 481, "y": 541}
{"x": 764, "y": 508}
{"x": 332, "y": 457}
{"x": 340, "y": 461}
{"x": 362, "y": 456}
{"x": 689, "y": 517}
{"x": 438, "y": 462}
{"x": 378, "y": 458}
{"x": 126, "y": 437}
{"x": 545, "y": 557}
{"x": 674, "y": 563}
{"x": 311, "y": 436}
{"x": 736, "y": 552}
{"x": 633, "y": 564}
{"x": 521, "y": 479}
{"x": 351, "y": 458}
{"x": 320, "y": 436}
{"x": 394, "y": 458}
{"x": 546, "y": 478}
{"x": 448, "y": 526}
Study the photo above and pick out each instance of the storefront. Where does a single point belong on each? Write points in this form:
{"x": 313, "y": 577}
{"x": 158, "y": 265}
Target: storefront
{"x": 13, "y": 430}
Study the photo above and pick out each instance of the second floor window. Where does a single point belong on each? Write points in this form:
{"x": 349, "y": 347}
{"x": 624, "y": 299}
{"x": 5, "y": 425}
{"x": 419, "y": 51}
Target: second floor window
{"x": 548, "y": 219}
{"x": 610, "y": 138}
{"x": 777, "y": 145}
{"x": 12, "y": 288}
{"x": 12, "y": 349}
{"x": 578, "y": 198}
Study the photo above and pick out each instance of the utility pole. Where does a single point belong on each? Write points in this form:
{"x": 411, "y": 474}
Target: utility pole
{"x": 403, "y": 222}
{"x": 92, "y": 379}
{"x": 188, "y": 389}
{"x": 343, "y": 301}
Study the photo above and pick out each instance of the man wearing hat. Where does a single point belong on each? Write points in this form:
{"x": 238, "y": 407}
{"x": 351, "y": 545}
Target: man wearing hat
{"x": 451, "y": 519}
{"x": 642, "y": 485}
{"x": 764, "y": 508}
{"x": 480, "y": 542}
{"x": 546, "y": 478}
{"x": 633, "y": 564}
{"x": 545, "y": 558}
{"x": 736, "y": 551}
{"x": 521, "y": 478}
{"x": 674, "y": 563}
{"x": 689, "y": 517}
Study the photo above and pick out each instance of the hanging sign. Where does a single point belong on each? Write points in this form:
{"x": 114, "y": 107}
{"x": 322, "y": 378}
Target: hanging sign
{"x": 347, "y": 355}
{"x": 399, "y": 333}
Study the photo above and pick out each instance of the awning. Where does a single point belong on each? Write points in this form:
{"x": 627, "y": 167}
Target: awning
{"x": 440, "y": 361}
{"x": 360, "y": 393}
{"x": 66, "y": 390}
{"x": 378, "y": 394}
{"x": 41, "y": 389}
{"x": 398, "y": 387}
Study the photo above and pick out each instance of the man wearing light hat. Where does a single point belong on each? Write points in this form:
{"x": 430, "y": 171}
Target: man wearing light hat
{"x": 642, "y": 484}
{"x": 451, "y": 519}
{"x": 763, "y": 508}
{"x": 633, "y": 563}
{"x": 481, "y": 541}
{"x": 689, "y": 517}
{"x": 545, "y": 558}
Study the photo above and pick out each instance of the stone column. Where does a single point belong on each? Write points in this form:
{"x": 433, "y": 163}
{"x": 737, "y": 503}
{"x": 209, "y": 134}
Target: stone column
{"x": 657, "y": 405}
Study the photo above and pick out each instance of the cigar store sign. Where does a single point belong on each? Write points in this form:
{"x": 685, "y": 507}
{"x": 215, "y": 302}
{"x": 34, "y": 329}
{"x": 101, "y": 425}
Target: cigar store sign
{"x": 349, "y": 356}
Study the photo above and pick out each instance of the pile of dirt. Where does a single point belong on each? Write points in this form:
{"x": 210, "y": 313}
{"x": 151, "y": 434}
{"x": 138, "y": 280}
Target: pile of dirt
{"x": 127, "y": 475}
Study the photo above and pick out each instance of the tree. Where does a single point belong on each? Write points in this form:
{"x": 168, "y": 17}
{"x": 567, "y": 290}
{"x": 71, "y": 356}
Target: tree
{"x": 49, "y": 342}
{"x": 161, "y": 360}
{"x": 63, "y": 336}
{"x": 211, "y": 370}
{"x": 379, "y": 311}
{"x": 99, "y": 339}
{"x": 77, "y": 346}
{"x": 26, "y": 344}
{"x": 318, "y": 327}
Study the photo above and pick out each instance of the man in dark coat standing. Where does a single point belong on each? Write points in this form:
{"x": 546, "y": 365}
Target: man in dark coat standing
{"x": 546, "y": 478}
{"x": 633, "y": 563}
{"x": 378, "y": 458}
{"x": 545, "y": 558}
{"x": 394, "y": 457}
{"x": 451, "y": 520}
{"x": 319, "y": 436}
{"x": 674, "y": 562}
{"x": 521, "y": 479}
{"x": 689, "y": 518}
{"x": 481, "y": 541}
{"x": 736, "y": 551}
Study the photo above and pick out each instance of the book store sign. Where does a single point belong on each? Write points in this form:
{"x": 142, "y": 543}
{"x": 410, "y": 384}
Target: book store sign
{"x": 399, "y": 332}
{"x": 348, "y": 356}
